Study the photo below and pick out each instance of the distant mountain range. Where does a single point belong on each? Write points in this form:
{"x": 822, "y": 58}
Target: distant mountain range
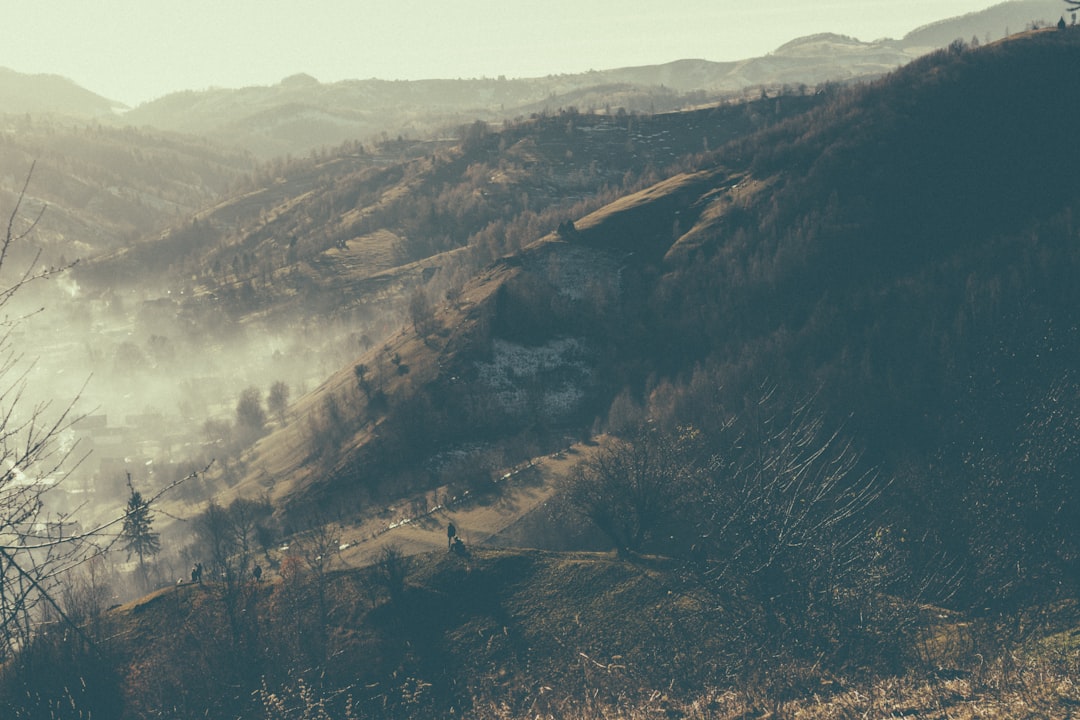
{"x": 300, "y": 114}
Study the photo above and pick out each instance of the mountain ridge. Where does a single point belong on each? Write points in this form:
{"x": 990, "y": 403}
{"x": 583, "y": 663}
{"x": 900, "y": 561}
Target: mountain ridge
{"x": 846, "y": 322}
{"x": 299, "y": 117}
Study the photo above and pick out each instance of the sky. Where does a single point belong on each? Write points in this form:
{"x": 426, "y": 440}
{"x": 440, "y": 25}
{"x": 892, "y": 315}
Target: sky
{"x": 133, "y": 51}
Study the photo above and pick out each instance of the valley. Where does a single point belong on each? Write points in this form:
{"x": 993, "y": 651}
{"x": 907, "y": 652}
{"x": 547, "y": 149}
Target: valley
{"x": 761, "y": 402}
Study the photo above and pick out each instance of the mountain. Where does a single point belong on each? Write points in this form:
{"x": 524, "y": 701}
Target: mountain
{"x": 52, "y": 94}
{"x": 815, "y": 352}
{"x": 104, "y": 187}
{"x": 990, "y": 24}
{"x": 295, "y": 117}
{"x": 321, "y": 258}
{"x": 875, "y": 253}
{"x": 300, "y": 114}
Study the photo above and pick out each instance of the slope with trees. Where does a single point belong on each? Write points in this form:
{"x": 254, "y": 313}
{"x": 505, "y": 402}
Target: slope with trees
{"x": 837, "y": 357}
{"x": 901, "y": 254}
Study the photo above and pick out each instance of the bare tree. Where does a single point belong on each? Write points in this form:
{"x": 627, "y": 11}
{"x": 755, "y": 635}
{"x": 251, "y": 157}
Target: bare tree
{"x": 633, "y": 488}
{"x": 250, "y": 415}
{"x": 229, "y": 535}
{"x": 318, "y": 547}
{"x": 787, "y": 521}
{"x": 32, "y": 560}
{"x": 39, "y": 548}
{"x": 392, "y": 572}
{"x": 277, "y": 401}
{"x": 421, "y": 313}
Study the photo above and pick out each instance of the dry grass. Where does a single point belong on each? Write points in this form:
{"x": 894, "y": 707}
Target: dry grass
{"x": 1037, "y": 692}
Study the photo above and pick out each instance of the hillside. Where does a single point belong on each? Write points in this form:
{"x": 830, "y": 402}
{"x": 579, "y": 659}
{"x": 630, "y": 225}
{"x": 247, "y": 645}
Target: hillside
{"x": 108, "y": 188}
{"x": 991, "y": 24}
{"x": 51, "y": 94}
{"x": 782, "y": 246}
{"x": 856, "y": 254}
{"x": 301, "y": 114}
{"x": 830, "y": 340}
{"x": 312, "y": 269}
{"x": 938, "y": 339}
{"x": 496, "y": 634}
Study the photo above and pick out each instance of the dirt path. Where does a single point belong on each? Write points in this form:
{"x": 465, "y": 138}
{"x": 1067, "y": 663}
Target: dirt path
{"x": 476, "y": 521}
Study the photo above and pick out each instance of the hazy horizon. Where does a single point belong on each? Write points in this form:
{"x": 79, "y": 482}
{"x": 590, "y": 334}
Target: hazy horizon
{"x": 134, "y": 52}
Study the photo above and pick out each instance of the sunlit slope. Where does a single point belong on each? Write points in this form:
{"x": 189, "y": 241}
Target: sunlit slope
{"x": 848, "y": 253}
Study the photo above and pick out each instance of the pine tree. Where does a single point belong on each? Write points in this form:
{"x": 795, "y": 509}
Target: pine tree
{"x": 139, "y": 536}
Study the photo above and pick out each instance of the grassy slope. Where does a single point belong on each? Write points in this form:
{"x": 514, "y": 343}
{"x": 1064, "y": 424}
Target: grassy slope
{"x": 581, "y": 634}
{"x": 510, "y": 623}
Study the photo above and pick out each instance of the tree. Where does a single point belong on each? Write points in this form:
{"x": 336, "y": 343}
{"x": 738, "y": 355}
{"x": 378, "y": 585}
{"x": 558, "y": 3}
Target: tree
{"x": 138, "y": 533}
{"x": 328, "y": 428}
{"x": 316, "y": 549}
{"x": 421, "y": 313}
{"x": 787, "y": 522}
{"x": 32, "y": 563}
{"x": 228, "y": 536}
{"x": 361, "y": 371}
{"x": 40, "y": 550}
{"x": 278, "y": 400}
{"x": 392, "y": 572}
{"x": 632, "y": 488}
{"x": 250, "y": 415}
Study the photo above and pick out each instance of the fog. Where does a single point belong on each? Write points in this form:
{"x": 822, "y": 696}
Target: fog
{"x": 153, "y": 398}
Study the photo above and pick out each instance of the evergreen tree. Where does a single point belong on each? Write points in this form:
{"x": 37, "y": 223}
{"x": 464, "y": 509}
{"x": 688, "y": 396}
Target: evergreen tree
{"x": 139, "y": 536}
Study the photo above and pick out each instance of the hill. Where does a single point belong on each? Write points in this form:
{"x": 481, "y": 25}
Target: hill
{"x": 857, "y": 253}
{"x": 301, "y": 114}
{"x": 108, "y": 188}
{"x": 317, "y": 261}
{"x": 831, "y": 338}
{"x": 991, "y": 24}
{"x": 493, "y": 634}
{"x": 778, "y": 239}
{"x": 51, "y": 94}
{"x": 937, "y": 338}
{"x": 297, "y": 117}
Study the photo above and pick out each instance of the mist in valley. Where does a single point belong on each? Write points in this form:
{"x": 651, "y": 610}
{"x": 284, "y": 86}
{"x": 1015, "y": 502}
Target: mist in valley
{"x": 447, "y": 382}
{"x": 154, "y": 398}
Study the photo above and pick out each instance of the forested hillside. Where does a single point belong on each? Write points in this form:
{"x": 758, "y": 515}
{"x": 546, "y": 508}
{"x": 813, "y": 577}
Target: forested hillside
{"x": 815, "y": 354}
{"x": 105, "y": 187}
{"x": 901, "y": 255}
{"x": 909, "y": 265}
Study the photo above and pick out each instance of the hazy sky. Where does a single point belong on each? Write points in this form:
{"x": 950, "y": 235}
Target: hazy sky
{"x": 136, "y": 50}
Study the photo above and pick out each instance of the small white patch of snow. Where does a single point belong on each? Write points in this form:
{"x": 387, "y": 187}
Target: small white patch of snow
{"x": 550, "y": 378}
